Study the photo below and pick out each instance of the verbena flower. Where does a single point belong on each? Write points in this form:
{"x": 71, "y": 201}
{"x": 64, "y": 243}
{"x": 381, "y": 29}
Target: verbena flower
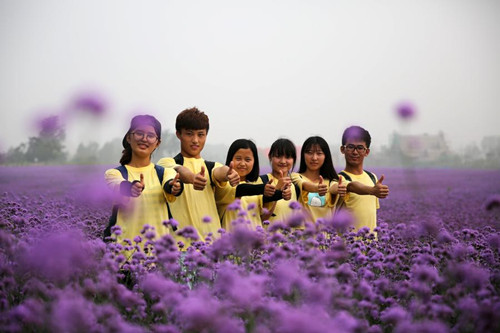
{"x": 405, "y": 110}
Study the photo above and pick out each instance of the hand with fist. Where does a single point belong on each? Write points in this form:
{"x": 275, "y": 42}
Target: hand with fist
{"x": 283, "y": 181}
{"x": 380, "y": 190}
{"x": 232, "y": 176}
{"x": 199, "y": 181}
{"x": 175, "y": 185}
{"x": 322, "y": 187}
{"x": 269, "y": 189}
{"x": 137, "y": 187}
{"x": 287, "y": 191}
{"x": 341, "y": 188}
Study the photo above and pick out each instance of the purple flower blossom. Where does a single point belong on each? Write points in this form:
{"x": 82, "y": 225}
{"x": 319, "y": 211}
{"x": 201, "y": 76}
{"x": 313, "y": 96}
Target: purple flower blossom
{"x": 493, "y": 201}
{"x": 295, "y": 205}
{"x": 207, "y": 219}
{"x": 90, "y": 101}
{"x": 296, "y": 220}
{"x": 72, "y": 310}
{"x": 340, "y": 222}
{"x": 235, "y": 205}
{"x": 188, "y": 232}
{"x": 51, "y": 125}
{"x": 171, "y": 222}
{"x": 405, "y": 110}
{"x": 439, "y": 277}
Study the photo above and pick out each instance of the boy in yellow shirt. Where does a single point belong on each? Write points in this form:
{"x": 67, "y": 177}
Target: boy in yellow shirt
{"x": 196, "y": 206}
{"x": 363, "y": 187}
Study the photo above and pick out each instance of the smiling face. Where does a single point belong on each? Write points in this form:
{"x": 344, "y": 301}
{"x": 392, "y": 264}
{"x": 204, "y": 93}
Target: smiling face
{"x": 192, "y": 141}
{"x": 354, "y": 157}
{"x": 243, "y": 161}
{"x": 314, "y": 158}
{"x": 281, "y": 163}
{"x": 143, "y": 141}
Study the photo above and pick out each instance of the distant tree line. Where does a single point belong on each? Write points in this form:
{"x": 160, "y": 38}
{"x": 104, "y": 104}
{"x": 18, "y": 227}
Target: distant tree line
{"x": 402, "y": 151}
{"x": 48, "y": 148}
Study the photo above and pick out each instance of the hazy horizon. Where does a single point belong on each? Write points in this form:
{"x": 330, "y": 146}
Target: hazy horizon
{"x": 260, "y": 70}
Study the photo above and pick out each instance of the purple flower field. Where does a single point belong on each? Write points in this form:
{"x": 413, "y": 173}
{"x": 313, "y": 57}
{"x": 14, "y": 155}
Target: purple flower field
{"x": 434, "y": 267}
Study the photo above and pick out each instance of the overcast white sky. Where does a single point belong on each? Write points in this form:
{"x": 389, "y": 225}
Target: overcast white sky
{"x": 259, "y": 69}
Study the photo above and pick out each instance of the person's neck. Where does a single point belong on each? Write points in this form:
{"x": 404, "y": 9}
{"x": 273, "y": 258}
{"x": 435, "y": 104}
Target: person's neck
{"x": 139, "y": 162}
{"x": 354, "y": 169}
{"x": 311, "y": 175}
{"x": 189, "y": 156}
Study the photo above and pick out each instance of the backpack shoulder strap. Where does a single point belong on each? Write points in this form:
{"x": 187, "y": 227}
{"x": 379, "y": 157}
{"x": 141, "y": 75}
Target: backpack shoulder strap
{"x": 264, "y": 178}
{"x": 114, "y": 211}
{"x": 160, "y": 171}
{"x": 210, "y": 166}
{"x": 372, "y": 176}
{"x": 123, "y": 171}
{"x": 297, "y": 190}
{"x": 179, "y": 159}
{"x": 345, "y": 175}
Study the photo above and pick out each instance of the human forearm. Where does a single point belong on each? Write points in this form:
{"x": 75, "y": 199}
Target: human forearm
{"x": 185, "y": 175}
{"x": 361, "y": 189}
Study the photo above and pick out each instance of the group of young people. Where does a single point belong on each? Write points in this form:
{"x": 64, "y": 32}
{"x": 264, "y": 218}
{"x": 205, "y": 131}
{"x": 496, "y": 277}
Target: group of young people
{"x": 187, "y": 190}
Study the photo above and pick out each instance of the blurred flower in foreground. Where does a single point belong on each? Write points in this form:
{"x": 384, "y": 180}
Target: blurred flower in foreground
{"x": 493, "y": 201}
{"x": 405, "y": 110}
{"x": 91, "y": 102}
{"x": 49, "y": 125}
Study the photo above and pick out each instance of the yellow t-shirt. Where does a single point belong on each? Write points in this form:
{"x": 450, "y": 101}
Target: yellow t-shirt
{"x": 148, "y": 208}
{"x": 317, "y": 206}
{"x": 192, "y": 206}
{"x": 282, "y": 210}
{"x": 363, "y": 207}
{"x": 225, "y": 197}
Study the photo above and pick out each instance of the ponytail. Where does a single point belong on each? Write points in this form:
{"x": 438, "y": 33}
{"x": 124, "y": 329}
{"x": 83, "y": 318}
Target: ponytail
{"x": 126, "y": 155}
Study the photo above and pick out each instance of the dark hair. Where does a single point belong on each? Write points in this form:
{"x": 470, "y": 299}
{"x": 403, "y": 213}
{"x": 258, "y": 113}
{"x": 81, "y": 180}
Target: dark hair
{"x": 357, "y": 133}
{"x": 283, "y": 147}
{"x": 253, "y": 175}
{"x": 193, "y": 119}
{"x": 137, "y": 121}
{"x": 327, "y": 170}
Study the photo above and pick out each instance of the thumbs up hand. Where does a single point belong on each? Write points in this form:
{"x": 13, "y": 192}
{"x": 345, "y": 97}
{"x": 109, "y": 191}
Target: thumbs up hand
{"x": 380, "y": 190}
{"x": 232, "y": 175}
{"x": 341, "y": 188}
{"x": 283, "y": 181}
{"x": 287, "y": 191}
{"x": 199, "y": 181}
{"x": 175, "y": 185}
{"x": 137, "y": 187}
{"x": 322, "y": 188}
{"x": 269, "y": 189}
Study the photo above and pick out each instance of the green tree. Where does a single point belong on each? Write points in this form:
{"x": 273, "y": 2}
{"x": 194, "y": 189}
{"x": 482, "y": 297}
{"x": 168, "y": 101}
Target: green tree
{"x": 48, "y": 146}
{"x": 86, "y": 153}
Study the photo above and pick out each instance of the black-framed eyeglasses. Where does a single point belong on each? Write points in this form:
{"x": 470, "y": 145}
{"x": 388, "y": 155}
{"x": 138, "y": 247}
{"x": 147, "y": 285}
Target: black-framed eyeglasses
{"x": 351, "y": 147}
{"x": 150, "y": 137}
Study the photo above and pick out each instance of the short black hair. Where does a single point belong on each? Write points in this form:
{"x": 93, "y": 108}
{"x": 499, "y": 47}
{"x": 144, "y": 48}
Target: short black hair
{"x": 357, "y": 133}
{"x": 283, "y": 147}
{"x": 253, "y": 175}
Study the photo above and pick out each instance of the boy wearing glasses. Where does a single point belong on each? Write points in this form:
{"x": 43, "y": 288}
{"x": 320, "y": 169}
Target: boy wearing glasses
{"x": 196, "y": 206}
{"x": 363, "y": 188}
